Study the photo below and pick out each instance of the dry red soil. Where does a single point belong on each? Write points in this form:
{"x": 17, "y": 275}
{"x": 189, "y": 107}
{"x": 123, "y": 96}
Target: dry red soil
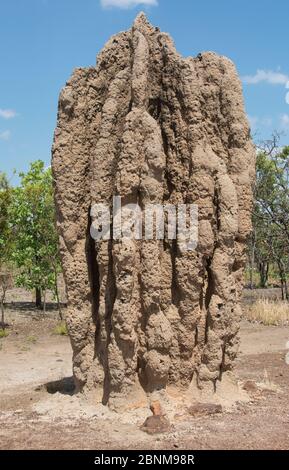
{"x": 32, "y": 418}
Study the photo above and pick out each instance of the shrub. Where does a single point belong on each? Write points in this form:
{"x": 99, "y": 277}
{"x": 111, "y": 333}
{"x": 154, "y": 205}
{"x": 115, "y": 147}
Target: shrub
{"x": 32, "y": 339}
{"x": 61, "y": 329}
{"x": 3, "y": 333}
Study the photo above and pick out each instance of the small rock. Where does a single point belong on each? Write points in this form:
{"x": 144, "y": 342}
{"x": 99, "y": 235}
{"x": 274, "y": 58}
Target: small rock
{"x": 250, "y": 386}
{"x": 18, "y": 412}
{"x": 156, "y": 408}
{"x": 156, "y": 425}
{"x": 200, "y": 409}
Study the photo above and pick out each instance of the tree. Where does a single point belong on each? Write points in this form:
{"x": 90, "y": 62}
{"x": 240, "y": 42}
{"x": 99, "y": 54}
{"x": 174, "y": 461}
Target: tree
{"x": 272, "y": 193}
{"x": 6, "y": 241}
{"x": 271, "y": 212}
{"x": 35, "y": 250}
{"x": 6, "y": 282}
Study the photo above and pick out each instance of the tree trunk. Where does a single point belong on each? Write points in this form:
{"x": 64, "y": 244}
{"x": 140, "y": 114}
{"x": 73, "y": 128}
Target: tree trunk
{"x": 251, "y": 285}
{"x": 3, "y": 296}
{"x": 263, "y": 271}
{"x": 252, "y": 264}
{"x": 282, "y": 289}
{"x": 2, "y": 314}
{"x": 44, "y": 301}
{"x": 283, "y": 281}
{"x": 38, "y": 302}
{"x": 286, "y": 289}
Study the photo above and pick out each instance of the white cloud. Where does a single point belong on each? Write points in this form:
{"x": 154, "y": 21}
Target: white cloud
{"x": 287, "y": 94}
{"x": 285, "y": 121}
{"x": 256, "y": 121}
{"x": 273, "y": 78}
{"x": 5, "y": 135}
{"x": 125, "y": 4}
{"x": 267, "y": 121}
{"x": 7, "y": 113}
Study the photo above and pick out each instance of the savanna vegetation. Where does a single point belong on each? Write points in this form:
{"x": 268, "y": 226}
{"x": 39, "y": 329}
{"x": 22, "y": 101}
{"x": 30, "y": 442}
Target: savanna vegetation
{"x": 29, "y": 255}
{"x": 268, "y": 260}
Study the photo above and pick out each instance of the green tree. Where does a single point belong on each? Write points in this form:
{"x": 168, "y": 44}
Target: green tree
{"x": 270, "y": 239}
{"x": 272, "y": 191}
{"x": 5, "y": 201}
{"x": 35, "y": 250}
{"x": 6, "y": 242}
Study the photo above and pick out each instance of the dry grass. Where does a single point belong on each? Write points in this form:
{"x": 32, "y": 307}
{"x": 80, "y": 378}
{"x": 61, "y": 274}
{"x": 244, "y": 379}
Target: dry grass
{"x": 268, "y": 312}
{"x": 32, "y": 339}
{"x": 267, "y": 384}
{"x": 3, "y": 333}
{"x": 61, "y": 329}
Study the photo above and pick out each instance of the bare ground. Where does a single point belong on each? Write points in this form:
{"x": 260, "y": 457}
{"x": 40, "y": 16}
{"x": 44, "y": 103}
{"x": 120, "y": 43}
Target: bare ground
{"x": 33, "y": 417}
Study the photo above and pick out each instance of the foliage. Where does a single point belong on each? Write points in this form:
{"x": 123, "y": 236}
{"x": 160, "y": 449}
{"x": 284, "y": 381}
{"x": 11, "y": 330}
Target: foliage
{"x": 5, "y": 229}
{"x": 32, "y": 216}
{"x": 6, "y": 243}
{"x": 272, "y": 192}
{"x": 270, "y": 238}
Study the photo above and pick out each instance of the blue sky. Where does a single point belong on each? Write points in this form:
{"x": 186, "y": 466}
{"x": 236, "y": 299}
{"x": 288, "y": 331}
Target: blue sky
{"x": 42, "y": 41}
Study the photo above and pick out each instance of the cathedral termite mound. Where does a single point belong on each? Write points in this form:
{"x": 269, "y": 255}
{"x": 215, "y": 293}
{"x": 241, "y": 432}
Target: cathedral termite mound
{"x": 153, "y": 127}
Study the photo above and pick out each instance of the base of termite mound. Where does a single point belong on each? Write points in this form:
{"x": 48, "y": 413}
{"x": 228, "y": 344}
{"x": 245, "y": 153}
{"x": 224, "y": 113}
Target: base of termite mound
{"x": 172, "y": 400}
{"x": 226, "y": 392}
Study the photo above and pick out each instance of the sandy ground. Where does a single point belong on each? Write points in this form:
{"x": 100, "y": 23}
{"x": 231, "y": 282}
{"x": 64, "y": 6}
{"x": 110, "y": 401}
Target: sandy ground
{"x": 32, "y": 417}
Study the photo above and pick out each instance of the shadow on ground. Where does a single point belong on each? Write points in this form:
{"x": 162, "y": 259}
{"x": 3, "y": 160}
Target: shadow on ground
{"x": 64, "y": 386}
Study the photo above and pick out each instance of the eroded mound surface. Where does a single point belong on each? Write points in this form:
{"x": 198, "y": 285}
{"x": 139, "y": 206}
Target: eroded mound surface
{"x": 154, "y": 128}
